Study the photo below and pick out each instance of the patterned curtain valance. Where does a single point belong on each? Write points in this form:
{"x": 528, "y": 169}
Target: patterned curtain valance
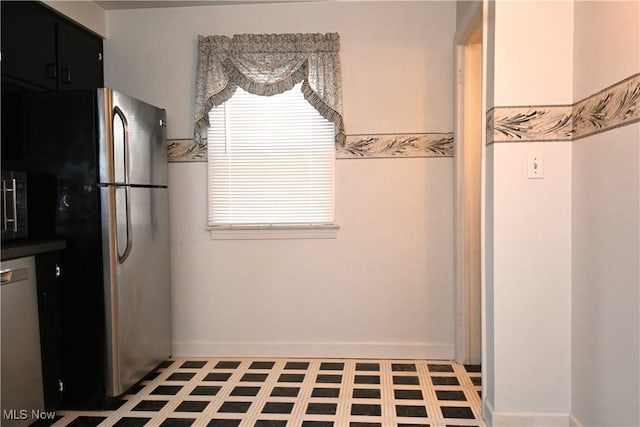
{"x": 268, "y": 64}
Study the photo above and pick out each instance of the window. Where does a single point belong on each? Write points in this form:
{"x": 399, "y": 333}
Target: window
{"x": 271, "y": 166}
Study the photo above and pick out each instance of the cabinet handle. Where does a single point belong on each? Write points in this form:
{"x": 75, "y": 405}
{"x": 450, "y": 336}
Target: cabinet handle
{"x": 57, "y": 270}
{"x": 9, "y": 190}
{"x": 52, "y": 71}
{"x": 5, "y": 214}
{"x": 66, "y": 76}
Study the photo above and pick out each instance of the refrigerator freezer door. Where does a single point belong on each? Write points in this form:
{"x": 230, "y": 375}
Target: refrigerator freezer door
{"x": 132, "y": 142}
{"x": 137, "y": 288}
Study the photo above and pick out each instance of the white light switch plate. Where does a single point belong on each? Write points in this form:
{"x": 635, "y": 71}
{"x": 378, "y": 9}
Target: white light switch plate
{"x": 535, "y": 166}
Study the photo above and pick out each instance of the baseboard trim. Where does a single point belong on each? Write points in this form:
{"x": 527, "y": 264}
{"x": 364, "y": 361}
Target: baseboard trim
{"x": 574, "y": 422}
{"x": 314, "y": 349}
{"x": 487, "y": 412}
{"x": 526, "y": 419}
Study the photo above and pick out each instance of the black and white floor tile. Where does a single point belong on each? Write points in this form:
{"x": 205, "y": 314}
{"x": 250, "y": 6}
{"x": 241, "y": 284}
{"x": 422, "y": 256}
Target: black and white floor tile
{"x": 223, "y": 392}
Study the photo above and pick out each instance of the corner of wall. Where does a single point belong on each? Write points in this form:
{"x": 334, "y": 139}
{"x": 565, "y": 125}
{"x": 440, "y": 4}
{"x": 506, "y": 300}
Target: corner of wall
{"x": 466, "y": 13}
{"x": 86, "y": 13}
{"x": 604, "y": 184}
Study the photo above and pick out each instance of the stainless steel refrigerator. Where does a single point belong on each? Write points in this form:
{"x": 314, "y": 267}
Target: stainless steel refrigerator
{"x": 135, "y": 237}
{"x": 96, "y": 164}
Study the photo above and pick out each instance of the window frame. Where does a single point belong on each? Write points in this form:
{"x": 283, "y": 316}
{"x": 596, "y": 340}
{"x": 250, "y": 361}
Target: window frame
{"x": 242, "y": 231}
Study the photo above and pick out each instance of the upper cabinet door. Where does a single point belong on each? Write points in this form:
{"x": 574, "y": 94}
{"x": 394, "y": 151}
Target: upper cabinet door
{"x": 79, "y": 57}
{"x": 43, "y": 50}
{"x": 29, "y": 44}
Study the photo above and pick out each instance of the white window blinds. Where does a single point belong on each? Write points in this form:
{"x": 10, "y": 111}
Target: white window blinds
{"x": 271, "y": 162}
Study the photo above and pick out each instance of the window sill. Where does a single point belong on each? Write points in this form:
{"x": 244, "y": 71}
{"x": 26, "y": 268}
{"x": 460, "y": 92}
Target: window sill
{"x": 329, "y": 231}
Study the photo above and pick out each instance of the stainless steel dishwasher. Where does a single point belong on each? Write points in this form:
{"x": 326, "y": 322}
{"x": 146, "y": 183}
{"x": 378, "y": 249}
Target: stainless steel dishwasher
{"x": 22, "y": 395}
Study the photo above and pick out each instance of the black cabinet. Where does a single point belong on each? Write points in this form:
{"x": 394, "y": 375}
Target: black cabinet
{"x": 49, "y": 281}
{"x": 42, "y": 50}
{"x": 79, "y": 58}
{"x": 28, "y": 44}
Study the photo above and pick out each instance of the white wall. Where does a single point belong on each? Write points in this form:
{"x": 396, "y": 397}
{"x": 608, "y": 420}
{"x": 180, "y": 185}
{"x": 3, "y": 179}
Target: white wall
{"x": 384, "y": 287}
{"x": 531, "y": 289}
{"x": 572, "y": 335}
{"x": 529, "y": 279}
{"x": 488, "y": 318}
{"x": 607, "y": 44}
{"x": 606, "y": 227}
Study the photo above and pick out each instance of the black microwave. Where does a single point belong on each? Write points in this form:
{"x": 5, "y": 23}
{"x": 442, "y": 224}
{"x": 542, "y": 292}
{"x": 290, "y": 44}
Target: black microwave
{"x": 14, "y": 205}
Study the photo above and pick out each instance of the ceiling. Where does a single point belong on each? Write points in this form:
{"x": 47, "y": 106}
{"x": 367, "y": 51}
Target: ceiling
{"x": 146, "y": 4}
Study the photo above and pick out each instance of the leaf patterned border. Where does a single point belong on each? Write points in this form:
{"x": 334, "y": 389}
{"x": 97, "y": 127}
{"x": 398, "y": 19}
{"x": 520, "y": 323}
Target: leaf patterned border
{"x": 615, "y": 106}
{"x": 397, "y": 145}
{"x": 185, "y": 150}
{"x": 355, "y": 147}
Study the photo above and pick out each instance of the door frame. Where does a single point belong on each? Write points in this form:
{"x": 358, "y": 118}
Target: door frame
{"x": 468, "y": 33}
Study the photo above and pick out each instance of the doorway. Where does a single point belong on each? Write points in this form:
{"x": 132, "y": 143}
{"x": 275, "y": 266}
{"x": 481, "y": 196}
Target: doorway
{"x": 468, "y": 184}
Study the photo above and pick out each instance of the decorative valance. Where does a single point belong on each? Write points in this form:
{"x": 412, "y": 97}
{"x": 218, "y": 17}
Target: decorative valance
{"x": 268, "y": 64}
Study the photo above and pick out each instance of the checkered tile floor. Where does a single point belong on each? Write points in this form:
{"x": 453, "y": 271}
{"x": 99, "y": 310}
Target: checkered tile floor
{"x": 222, "y": 392}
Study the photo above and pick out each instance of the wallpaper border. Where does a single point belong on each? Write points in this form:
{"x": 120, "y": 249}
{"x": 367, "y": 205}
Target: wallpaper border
{"x": 435, "y": 144}
{"x": 185, "y": 150}
{"x": 615, "y": 106}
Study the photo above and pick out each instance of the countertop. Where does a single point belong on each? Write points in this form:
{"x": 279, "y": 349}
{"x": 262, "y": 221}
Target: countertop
{"x": 25, "y": 247}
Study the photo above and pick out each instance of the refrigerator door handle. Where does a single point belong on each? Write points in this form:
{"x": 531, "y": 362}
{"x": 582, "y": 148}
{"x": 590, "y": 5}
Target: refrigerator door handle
{"x": 127, "y": 195}
{"x": 121, "y": 155}
{"x": 123, "y": 222}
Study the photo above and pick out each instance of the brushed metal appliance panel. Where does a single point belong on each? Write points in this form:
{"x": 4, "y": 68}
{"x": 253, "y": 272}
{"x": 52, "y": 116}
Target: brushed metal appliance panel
{"x": 21, "y": 368}
{"x": 137, "y": 279}
{"x": 132, "y": 143}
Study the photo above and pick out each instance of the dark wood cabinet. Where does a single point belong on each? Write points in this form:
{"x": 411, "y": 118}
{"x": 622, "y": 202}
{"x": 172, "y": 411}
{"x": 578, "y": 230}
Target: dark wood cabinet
{"x": 49, "y": 281}
{"x": 42, "y": 50}
{"x": 79, "y": 58}
{"x": 29, "y": 55}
